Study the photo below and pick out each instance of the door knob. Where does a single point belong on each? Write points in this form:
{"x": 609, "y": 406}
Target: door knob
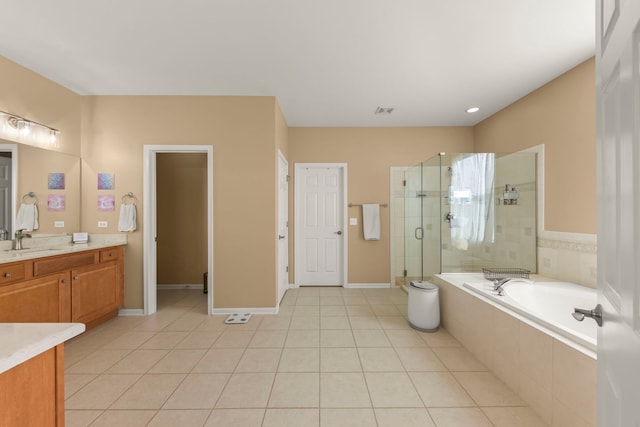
{"x": 281, "y": 237}
{"x": 338, "y": 233}
{"x": 596, "y": 314}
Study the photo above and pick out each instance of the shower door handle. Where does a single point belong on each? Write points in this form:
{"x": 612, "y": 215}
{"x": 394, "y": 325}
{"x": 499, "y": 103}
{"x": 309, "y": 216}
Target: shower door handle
{"x": 420, "y": 231}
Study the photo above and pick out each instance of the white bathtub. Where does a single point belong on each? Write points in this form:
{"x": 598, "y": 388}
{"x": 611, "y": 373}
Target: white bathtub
{"x": 548, "y": 304}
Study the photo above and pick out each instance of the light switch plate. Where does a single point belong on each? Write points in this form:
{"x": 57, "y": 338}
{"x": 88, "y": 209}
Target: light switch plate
{"x": 103, "y": 224}
{"x": 58, "y": 224}
{"x": 353, "y": 221}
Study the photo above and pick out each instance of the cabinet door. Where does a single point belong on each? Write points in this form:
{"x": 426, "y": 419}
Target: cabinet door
{"x": 94, "y": 292}
{"x": 35, "y": 300}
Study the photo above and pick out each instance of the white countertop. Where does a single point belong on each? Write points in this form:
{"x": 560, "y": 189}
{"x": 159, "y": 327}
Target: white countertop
{"x": 20, "y": 342}
{"x": 50, "y": 246}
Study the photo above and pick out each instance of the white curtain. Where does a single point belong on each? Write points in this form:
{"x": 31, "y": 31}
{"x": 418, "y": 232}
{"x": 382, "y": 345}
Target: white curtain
{"x": 471, "y": 196}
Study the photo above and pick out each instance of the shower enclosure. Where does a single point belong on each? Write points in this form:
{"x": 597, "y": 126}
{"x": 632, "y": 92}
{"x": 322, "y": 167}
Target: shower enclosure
{"x": 464, "y": 212}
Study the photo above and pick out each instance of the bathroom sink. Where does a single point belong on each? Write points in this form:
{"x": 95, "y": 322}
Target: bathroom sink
{"x": 31, "y": 251}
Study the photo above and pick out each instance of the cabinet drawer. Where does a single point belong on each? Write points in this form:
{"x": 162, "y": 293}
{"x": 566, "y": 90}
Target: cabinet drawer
{"x": 10, "y": 273}
{"x": 63, "y": 262}
{"x": 109, "y": 254}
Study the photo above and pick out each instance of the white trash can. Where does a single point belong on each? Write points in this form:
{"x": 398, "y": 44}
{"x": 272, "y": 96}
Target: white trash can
{"x": 424, "y": 306}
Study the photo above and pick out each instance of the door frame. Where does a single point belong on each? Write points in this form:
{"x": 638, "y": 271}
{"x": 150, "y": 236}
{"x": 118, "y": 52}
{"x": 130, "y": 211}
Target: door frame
{"x": 13, "y": 149}
{"x": 282, "y": 289}
{"x": 345, "y": 240}
{"x": 150, "y": 254}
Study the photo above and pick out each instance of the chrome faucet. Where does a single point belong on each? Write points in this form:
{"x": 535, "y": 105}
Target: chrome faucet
{"x": 498, "y": 285}
{"x": 17, "y": 243}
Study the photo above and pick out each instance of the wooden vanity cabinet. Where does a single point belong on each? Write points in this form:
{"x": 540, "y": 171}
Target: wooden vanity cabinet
{"x": 85, "y": 287}
{"x": 42, "y": 299}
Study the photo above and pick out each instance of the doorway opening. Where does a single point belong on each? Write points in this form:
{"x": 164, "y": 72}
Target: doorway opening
{"x": 178, "y": 249}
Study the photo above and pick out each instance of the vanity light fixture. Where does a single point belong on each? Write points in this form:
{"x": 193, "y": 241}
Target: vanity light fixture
{"x": 24, "y": 130}
{"x": 471, "y": 110}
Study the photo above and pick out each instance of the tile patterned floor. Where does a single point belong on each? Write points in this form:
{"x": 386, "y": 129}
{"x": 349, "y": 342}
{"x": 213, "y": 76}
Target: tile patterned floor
{"x": 331, "y": 357}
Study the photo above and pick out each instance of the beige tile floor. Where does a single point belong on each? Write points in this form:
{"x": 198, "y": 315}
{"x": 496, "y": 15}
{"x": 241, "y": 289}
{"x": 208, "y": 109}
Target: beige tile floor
{"x": 331, "y": 357}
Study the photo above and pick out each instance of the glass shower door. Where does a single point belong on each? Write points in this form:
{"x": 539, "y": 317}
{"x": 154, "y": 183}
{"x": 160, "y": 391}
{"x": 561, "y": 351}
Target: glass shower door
{"x": 414, "y": 230}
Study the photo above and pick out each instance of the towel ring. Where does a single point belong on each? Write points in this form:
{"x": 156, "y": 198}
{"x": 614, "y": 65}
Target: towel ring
{"x": 30, "y": 195}
{"x": 129, "y": 196}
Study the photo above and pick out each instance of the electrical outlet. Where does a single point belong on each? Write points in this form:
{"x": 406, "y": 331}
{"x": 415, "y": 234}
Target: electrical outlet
{"x": 58, "y": 224}
{"x": 103, "y": 224}
{"x": 353, "y": 221}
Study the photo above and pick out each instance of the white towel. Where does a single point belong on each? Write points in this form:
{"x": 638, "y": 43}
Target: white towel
{"x": 127, "y": 220}
{"x": 27, "y": 218}
{"x": 371, "y": 221}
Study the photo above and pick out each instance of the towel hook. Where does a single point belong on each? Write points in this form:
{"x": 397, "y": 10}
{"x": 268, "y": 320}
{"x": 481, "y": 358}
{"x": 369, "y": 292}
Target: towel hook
{"x": 30, "y": 195}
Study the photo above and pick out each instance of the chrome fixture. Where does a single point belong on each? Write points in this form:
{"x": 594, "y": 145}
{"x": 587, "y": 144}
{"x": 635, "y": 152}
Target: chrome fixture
{"x": 596, "y": 314}
{"x": 21, "y": 129}
{"x": 17, "y": 243}
{"x": 498, "y": 285}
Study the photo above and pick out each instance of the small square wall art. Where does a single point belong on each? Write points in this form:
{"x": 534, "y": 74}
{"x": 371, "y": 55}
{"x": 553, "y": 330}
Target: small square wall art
{"x": 55, "y": 202}
{"x": 106, "y": 202}
{"x": 106, "y": 181}
{"x": 56, "y": 181}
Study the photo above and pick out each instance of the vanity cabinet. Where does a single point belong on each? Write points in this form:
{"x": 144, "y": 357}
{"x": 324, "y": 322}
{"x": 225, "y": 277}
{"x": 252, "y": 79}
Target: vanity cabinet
{"x": 43, "y": 299}
{"x": 85, "y": 287}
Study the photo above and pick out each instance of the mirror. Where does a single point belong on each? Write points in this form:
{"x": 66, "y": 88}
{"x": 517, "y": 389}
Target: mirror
{"x": 54, "y": 179}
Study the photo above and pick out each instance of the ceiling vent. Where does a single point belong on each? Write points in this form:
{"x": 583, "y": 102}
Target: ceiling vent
{"x": 384, "y": 110}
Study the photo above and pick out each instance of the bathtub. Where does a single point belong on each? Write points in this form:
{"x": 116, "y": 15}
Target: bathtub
{"x": 548, "y": 304}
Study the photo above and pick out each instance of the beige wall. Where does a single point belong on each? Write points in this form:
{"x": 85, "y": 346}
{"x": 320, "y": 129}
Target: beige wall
{"x": 241, "y": 131}
{"x": 181, "y": 197}
{"x": 560, "y": 115}
{"x": 33, "y": 97}
{"x": 34, "y": 166}
{"x": 369, "y": 153}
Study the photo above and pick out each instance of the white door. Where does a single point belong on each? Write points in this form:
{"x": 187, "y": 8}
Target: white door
{"x": 320, "y": 228}
{"x": 5, "y": 194}
{"x": 283, "y": 225}
{"x": 618, "y": 122}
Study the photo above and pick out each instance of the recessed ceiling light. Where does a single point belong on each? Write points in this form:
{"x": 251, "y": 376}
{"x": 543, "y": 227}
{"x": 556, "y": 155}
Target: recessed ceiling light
{"x": 384, "y": 110}
{"x": 473, "y": 110}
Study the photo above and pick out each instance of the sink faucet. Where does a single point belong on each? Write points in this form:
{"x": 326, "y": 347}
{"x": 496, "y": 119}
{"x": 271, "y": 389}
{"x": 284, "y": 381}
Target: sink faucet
{"x": 17, "y": 243}
{"x": 498, "y": 285}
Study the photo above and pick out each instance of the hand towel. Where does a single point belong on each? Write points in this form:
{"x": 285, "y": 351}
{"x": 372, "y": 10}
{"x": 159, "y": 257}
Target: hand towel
{"x": 27, "y": 218}
{"x": 371, "y": 221}
{"x": 127, "y": 220}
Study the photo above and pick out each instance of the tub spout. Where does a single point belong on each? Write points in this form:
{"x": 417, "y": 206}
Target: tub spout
{"x": 498, "y": 285}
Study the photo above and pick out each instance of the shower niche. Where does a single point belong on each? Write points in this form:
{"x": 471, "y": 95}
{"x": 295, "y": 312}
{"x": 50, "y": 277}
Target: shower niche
{"x": 463, "y": 212}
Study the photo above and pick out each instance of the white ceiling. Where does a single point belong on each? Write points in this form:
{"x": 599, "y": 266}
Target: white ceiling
{"x": 328, "y": 62}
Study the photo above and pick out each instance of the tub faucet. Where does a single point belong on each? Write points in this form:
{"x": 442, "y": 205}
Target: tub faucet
{"x": 17, "y": 243}
{"x": 498, "y": 285}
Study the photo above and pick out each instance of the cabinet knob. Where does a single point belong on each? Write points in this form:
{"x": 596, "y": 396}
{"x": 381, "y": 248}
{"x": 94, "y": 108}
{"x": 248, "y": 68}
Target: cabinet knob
{"x": 64, "y": 281}
{"x": 110, "y": 253}
{"x": 75, "y": 277}
{"x": 7, "y": 274}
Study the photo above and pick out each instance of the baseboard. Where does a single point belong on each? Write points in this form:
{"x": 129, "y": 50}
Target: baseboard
{"x": 368, "y": 285}
{"x": 131, "y": 312}
{"x": 283, "y": 291}
{"x": 257, "y": 310}
{"x": 172, "y": 287}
